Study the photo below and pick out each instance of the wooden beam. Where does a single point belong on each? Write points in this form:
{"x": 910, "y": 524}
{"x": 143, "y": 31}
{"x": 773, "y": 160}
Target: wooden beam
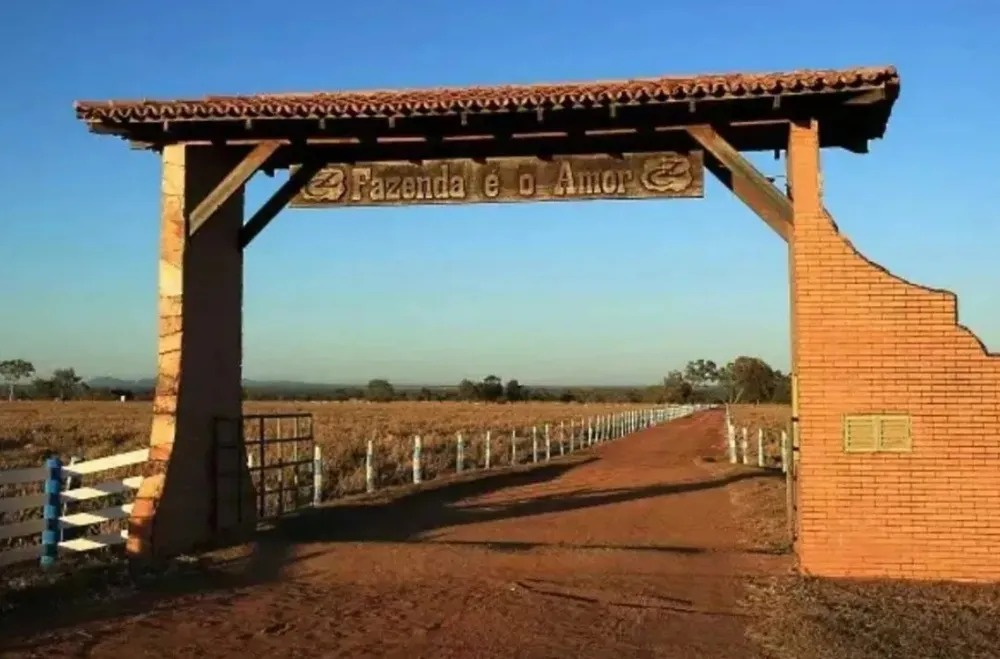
{"x": 739, "y": 175}
{"x": 232, "y": 182}
{"x": 270, "y": 209}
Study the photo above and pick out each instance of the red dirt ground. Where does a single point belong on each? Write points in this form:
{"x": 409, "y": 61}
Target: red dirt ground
{"x": 628, "y": 550}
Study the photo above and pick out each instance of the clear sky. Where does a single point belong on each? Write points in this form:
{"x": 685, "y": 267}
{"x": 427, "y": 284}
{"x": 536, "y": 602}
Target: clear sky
{"x": 594, "y": 292}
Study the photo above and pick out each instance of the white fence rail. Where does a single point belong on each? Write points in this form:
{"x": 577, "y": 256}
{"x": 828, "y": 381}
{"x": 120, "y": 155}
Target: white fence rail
{"x": 55, "y": 480}
{"x": 743, "y": 445}
{"x": 526, "y": 446}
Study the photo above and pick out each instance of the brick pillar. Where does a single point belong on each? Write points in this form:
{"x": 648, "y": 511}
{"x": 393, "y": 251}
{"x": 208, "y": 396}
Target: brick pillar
{"x": 199, "y": 365}
{"x": 868, "y": 342}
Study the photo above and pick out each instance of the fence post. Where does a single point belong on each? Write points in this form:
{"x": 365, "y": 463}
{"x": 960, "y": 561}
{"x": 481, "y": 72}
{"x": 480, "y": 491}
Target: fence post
{"x": 317, "y": 475}
{"x": 513, "y": 447}
{"x": 590, "y": 431}
{"x": 731, "y": 437}
{"x": 487, "y": 450}
{"x": 534, "y": 443}
{"x": 562, "y": 438}
{"x": 784, "y": 451}
{"x": 459, "y": 454}
{"x": 572, "y": 432}
{"x": 51, "y": 512}
{"x": 72, "y": 482}
{"x": 370, "y": 466}
{"x": 416, "y": 459}
{"x": 744, "y": 444}
{"x": 760, "y": 447}
{"x": 548, "y": 444}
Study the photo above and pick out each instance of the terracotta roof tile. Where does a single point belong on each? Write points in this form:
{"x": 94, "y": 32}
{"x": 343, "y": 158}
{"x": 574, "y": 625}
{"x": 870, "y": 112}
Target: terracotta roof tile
{"x": 483, "y": 99}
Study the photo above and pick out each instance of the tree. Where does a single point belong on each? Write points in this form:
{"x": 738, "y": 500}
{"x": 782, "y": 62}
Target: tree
{"x": 676, "y": 388}
{"x": 782, "y": 388}
{"x": 467, "y": 390}
{"x": 492, "y": 388}
{"x": 43, "y": 389}
{"x": 380, "y": 391}
{"x": 513, "y": 391}
{"x": 66, "y": 382}
{"x": 13, "y": 371}
{"x": 748, "y": 379}
{"x": 701, "y": 373}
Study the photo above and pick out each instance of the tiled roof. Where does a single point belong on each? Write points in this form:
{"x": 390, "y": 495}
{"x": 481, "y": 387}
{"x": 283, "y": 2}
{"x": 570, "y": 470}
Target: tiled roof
{"x": 485, "y": 99}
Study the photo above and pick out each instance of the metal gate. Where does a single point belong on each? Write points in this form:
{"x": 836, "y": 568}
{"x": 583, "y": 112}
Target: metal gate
{"x": 267, "y": 463}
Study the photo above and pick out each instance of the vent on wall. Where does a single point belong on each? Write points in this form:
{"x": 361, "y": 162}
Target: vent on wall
{"x": 872, "y": 433}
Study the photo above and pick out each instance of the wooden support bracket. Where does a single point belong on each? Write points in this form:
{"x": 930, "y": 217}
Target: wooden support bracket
{"x": 739, "y": 175}
{"x": 228, "y": 186}
{"x": 270, "y": 209}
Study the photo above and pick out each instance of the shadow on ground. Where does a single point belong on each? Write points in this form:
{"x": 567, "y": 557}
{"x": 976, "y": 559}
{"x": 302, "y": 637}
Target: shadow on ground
{"x": 406, "y": 515}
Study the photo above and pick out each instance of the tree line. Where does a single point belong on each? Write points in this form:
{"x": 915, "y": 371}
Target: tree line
{"x": 744, "y": 379}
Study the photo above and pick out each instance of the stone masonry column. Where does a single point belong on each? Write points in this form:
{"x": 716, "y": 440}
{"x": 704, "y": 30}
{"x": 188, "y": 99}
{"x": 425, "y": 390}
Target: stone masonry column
{"x": 181, "y": 504}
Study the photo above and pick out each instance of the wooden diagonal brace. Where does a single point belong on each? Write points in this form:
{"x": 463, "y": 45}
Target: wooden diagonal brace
{"x": 745, "y": 180}
{"x": 228, "y": 186}
{"x": 270, "y": 209}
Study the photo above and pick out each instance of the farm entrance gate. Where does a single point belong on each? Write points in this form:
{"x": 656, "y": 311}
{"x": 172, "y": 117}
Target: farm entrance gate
{"x": 278, "y": 453}
{"x": 885, "y": 380}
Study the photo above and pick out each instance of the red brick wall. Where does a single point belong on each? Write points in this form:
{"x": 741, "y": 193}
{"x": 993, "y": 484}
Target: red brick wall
{"x": 870, "y": 342}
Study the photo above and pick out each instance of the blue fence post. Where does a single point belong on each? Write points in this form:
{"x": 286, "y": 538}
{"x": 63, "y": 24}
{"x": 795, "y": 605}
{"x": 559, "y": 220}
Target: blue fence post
{"x": 52, "y": 511}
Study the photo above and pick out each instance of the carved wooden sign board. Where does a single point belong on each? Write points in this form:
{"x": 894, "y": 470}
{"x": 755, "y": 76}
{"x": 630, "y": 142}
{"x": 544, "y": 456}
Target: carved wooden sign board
{"x": 467, "y": 181}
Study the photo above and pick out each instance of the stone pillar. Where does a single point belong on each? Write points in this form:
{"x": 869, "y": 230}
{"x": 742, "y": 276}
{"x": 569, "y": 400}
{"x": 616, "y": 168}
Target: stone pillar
{"x": 182, "y": 505}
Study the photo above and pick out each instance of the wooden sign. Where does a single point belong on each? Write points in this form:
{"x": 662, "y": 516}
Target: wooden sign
{"x": 466, "y": 181}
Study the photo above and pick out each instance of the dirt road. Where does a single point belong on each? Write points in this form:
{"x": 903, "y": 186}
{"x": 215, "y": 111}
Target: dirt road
{"x": 628, "y": 550}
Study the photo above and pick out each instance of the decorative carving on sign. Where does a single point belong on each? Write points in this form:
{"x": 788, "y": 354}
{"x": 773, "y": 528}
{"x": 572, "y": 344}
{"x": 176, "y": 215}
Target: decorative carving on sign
{"x": 466, "y": 181}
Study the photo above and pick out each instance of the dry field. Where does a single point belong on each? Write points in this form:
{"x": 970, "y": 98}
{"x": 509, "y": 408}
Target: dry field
{"x": 31, "y": 430}
{"x": 772, "y": 417}
{"x": 788, "y": 617}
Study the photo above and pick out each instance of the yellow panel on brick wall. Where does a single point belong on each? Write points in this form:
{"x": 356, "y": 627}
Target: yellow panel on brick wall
{"x": 871, "y": 433}
{"x": 894, "y": 433}
{"x": 860, "y": 434}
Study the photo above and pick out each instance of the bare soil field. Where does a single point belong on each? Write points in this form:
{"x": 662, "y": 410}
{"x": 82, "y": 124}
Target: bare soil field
{"x": 649, "y": 546}
{"x": 772, "y": 417}
{"x": 30, "y": 430}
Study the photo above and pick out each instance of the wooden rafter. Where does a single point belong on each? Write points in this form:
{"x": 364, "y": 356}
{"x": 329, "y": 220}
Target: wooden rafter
{"x": 270, "y": 208}
{"x": 746, "y": 181}
{"x": 233, "y": 181}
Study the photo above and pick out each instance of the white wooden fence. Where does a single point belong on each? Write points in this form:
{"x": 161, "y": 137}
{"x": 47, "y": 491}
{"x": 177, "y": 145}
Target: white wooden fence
{"x": 536, "y": 443}
{"x": 52, "y": 502}
{"x": 750, "y": 447}
{"x": 59, "y": 483}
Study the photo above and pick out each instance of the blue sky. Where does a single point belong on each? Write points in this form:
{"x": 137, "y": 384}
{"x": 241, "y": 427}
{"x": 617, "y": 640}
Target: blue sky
{"x": 610, "y": 292}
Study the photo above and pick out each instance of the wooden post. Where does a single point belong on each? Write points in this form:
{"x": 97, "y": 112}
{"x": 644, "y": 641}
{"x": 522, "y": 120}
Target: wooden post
{"x": 760, "y": 447}
{"x": 562, "y": 438}
{"x": 513, "y": 447}
{"x": 744, "y": 444}
{"x": 731, "y": 436}
{"x": 416, "y": 460}
{"x": 487, "y": 466}
{"x": 548, "y": 444}
{"x": 370, "y": 467}
{"x": 784, "y": 451}
{"x": 317, "y": 475}
{"x": 459, "y": 454}
{"x": 572, "y": 432}
{"x": 534, "y": 444}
